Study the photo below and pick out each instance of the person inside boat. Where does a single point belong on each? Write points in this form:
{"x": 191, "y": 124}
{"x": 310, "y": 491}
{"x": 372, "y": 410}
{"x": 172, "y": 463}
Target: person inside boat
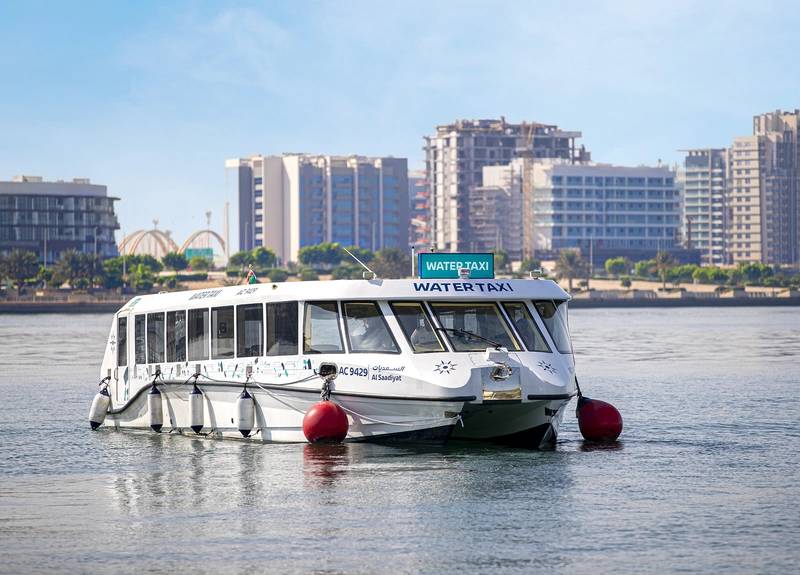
{"x": 524, "y": 329}
{"x": 370, "y": 334}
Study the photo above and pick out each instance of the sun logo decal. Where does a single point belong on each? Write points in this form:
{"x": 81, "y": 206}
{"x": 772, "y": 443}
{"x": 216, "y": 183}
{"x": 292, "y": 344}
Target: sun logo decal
{"x": 445, "y": 367}
{"x": 547, "y": 367}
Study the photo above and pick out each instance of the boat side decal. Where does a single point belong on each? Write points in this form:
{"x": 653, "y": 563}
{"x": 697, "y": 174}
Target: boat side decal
{"x": 445, "y": 367}
{"x": 479, "y": 287}
{"x": 206, "y": 294}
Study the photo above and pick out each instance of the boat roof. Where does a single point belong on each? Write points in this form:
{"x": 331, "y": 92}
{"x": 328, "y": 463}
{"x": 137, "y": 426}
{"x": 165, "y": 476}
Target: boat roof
{"x": 375, "y": 289}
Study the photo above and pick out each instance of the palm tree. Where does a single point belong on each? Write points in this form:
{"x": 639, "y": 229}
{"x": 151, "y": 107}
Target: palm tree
{"x": 570, "y": 264}
{"x": 663, "y": 262}
{"x": 20, "y": 266}
{"x": 71, "y": 268}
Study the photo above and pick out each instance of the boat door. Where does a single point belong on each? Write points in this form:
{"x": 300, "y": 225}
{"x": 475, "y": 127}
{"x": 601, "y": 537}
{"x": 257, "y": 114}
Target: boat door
{"x": 124, "y": 343}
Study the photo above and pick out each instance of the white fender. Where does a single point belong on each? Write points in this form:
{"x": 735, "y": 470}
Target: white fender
{"x": 246, "y": 413}
{"x": 196, "y": 409}
{"x": 100, "y": 403}
{"x": 156, "y": 409}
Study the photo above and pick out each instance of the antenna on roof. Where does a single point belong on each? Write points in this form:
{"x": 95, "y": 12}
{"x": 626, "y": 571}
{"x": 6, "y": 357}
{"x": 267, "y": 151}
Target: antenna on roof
{"x": 363, "y": 265}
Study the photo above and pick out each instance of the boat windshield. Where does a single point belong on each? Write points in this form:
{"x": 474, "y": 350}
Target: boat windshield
{"x": 461, "y": 320}
{"x": 554, "y": 317}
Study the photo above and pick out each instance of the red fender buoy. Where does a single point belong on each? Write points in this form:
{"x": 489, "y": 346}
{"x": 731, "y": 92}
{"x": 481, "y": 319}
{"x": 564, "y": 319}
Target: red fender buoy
{"x": 598, "y": 420}
{"x": 325, "y": 421}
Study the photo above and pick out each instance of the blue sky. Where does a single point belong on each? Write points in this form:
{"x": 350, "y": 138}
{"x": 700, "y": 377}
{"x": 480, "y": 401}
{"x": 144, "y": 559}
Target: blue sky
{"x": 149, "y": 98}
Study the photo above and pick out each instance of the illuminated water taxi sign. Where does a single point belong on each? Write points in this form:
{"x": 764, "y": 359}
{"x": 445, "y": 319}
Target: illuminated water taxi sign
{"x": 440, "y": 265}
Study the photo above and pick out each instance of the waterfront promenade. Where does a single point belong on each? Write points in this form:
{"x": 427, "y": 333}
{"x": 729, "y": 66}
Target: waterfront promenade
{"x": 603, "y": 293}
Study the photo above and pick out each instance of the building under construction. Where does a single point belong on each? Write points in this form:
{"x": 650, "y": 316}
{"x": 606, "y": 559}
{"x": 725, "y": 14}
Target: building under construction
{"x": 456, "y": 155}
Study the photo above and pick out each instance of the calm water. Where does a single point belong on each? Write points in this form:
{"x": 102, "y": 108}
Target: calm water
{"x": 705, "y": 479}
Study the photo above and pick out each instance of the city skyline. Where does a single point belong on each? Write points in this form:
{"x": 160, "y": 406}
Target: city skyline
{"x": 149, "y": 99}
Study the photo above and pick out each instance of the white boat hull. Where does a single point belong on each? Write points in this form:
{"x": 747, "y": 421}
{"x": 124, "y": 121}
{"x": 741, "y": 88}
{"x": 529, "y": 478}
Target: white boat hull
{"x": 279, "y": 414}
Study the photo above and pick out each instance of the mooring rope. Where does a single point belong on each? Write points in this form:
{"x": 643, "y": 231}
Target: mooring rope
{"x": 457, "y": 418}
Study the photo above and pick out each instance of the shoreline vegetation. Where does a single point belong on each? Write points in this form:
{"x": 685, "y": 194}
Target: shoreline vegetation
{"x": 81, "y": 283}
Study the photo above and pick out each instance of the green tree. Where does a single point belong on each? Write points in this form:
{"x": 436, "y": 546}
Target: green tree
{"x": 142, "y": 278}
{"x": 735, "y": 277}
{"x": 347, "y": 272}
{"x": 150, "y": 263}
{"x": 112, "y": 271}
{"x": 644, "y": 269}
{"x": 175, "y": 261}
{"x": 20, "y": 266}
{"x": 199, "y": 263}
{"x": 391, "y": 263}
{"x": 277, "y": 275}
{"x": 501, "y": 260}
{"x": 93, "y": 269}
{"x": 710, "y": 274}
{"x": 262, "y": 258}
{"x": 625, "y": 281}
{"x": 71, "y": 268}
{"x": 570, "y": 265}
{"x": 321, "y": 256}
{"x": 241, "y": 260}
{"x": 530, "y": 265}
{"x": 308, "y": 274}
{"x": 617, "y": 266}
{"x": 363, "y": 254}
{"x": 663, "y": 262}
{"x": 755, "y": 273}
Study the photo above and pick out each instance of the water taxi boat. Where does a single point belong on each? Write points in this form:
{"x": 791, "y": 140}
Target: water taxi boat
{"x": 414, "y": 359}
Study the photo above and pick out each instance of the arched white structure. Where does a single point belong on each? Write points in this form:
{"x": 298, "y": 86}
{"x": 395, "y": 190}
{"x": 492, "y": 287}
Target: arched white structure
{"x": 132, "y": 242}
{"x": 200, "y": 233}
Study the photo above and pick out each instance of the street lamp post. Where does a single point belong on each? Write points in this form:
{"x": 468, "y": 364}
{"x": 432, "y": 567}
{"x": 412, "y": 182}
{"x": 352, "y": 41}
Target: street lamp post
{"x": 94, "y": 259}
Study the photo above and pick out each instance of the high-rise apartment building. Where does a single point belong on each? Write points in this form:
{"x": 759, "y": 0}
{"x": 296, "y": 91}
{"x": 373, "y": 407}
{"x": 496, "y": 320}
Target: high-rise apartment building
{"x": 49, "y": 218}
{"x": 759, "y": 190}
{"x": 295, "y": 200}
{"x": 705, "y": 204}
{"x": 457, "y": 153}
{"x": 763, "y": 192}
{"x": 605, "y": 209}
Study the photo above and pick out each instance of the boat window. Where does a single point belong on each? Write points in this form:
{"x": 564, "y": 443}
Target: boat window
{"x": 249, "y": 330}
{"x": 198, "y": 334}
{"x": 140, "y": 350}
{"x": 416, "y": 326}
{"x": 554, "y": 317}
{"x": 526, "y": 327}
{"x": 282, "y": 328}
{"x": 366, "y": 328}
{"x": 155, "y": 337}
{"x": 474, "y": 326}
{"x": 122, "y": 341}
{"x": 321, "y": 329}
{"x": 176, "y": 336}
{"x": 222, "y": 332}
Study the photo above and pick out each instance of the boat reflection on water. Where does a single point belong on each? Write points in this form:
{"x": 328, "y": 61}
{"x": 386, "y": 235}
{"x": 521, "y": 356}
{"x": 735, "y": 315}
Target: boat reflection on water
{"x": 323, "y": 463}
{"x": 166, "y": 472}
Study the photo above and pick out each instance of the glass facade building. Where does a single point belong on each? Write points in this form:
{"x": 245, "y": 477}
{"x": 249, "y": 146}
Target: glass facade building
{"x": 296, "y": 200}
{"x": 617, "y": 210}
{"x": 48, "y": 218}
